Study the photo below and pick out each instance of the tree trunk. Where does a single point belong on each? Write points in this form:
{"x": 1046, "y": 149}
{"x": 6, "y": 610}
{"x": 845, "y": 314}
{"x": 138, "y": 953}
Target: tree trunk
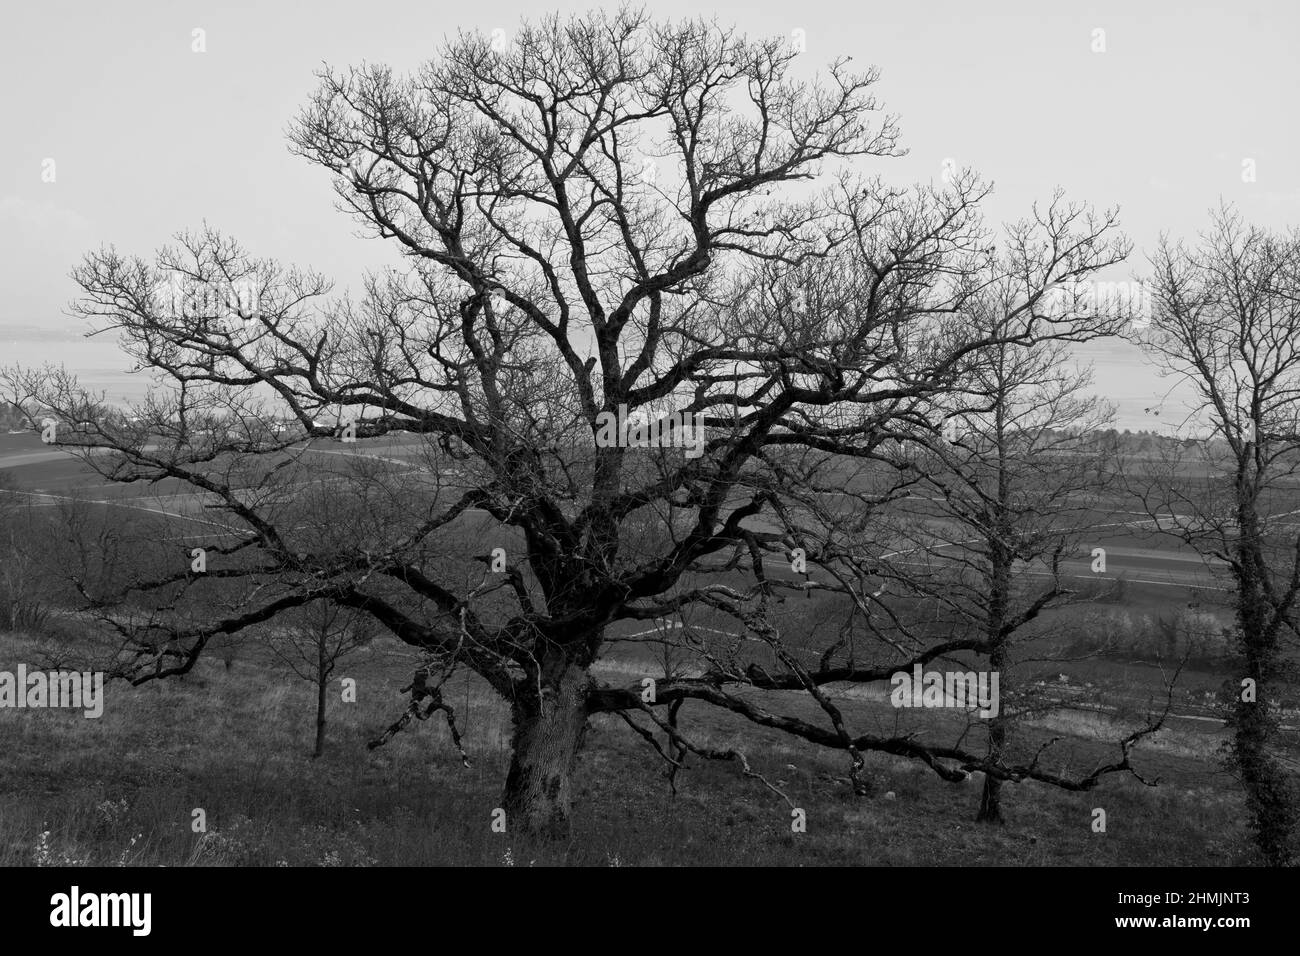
{"x": 320, "y": 720}
{"x": 547, "y": 734}
{"x": 991, "y": 799}
{"x": 1268, "y": 792}
{"x": 322, "y": 684}
{"x": 990, "y": 810}
{"x": 1269, "y": 798}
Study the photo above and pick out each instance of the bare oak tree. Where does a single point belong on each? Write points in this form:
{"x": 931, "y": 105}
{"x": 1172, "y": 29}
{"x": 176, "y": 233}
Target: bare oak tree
{"x": 607, "y": 215}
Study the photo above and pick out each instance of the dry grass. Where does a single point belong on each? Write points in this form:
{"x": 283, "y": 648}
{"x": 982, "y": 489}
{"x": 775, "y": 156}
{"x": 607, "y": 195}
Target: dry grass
{"x": 122, "y": 790}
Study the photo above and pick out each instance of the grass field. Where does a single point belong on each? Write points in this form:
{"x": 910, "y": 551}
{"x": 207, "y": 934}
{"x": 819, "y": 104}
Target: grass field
{"x": 235, "y": 743}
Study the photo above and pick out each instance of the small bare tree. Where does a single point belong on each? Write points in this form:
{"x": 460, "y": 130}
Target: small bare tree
{"x": 1226, "y": 318}
{"x": 949, "y": 537}
{"x": 313, "y": 641}
{"x": 1009, "y": 497}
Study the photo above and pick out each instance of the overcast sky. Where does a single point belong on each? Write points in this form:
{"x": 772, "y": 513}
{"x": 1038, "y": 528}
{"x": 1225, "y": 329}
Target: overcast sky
{"x": 149, "y": 137}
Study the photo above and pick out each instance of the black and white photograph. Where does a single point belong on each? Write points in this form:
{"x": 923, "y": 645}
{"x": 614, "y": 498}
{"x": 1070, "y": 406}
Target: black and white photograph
{"x": 601, "y": 435}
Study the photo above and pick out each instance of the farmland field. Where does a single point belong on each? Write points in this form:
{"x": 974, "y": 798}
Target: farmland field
{"x": 244, "y": 745}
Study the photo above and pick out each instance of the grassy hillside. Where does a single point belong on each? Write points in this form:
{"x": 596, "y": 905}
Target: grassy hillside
{"x": 122, "y": 790}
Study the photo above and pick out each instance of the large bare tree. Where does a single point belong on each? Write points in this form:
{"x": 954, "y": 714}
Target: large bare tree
{"x": 604, "y": 214}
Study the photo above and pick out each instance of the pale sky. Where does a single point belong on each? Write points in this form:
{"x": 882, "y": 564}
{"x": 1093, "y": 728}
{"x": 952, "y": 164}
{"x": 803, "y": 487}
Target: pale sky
{"x": 149, "y": 137}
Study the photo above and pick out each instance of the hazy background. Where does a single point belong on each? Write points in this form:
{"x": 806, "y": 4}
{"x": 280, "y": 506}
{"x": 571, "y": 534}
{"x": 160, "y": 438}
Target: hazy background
{"x": 150, "y": 138}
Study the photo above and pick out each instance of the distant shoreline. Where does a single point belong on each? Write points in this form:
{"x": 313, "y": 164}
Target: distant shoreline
{"x": 1120, "y": 376}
